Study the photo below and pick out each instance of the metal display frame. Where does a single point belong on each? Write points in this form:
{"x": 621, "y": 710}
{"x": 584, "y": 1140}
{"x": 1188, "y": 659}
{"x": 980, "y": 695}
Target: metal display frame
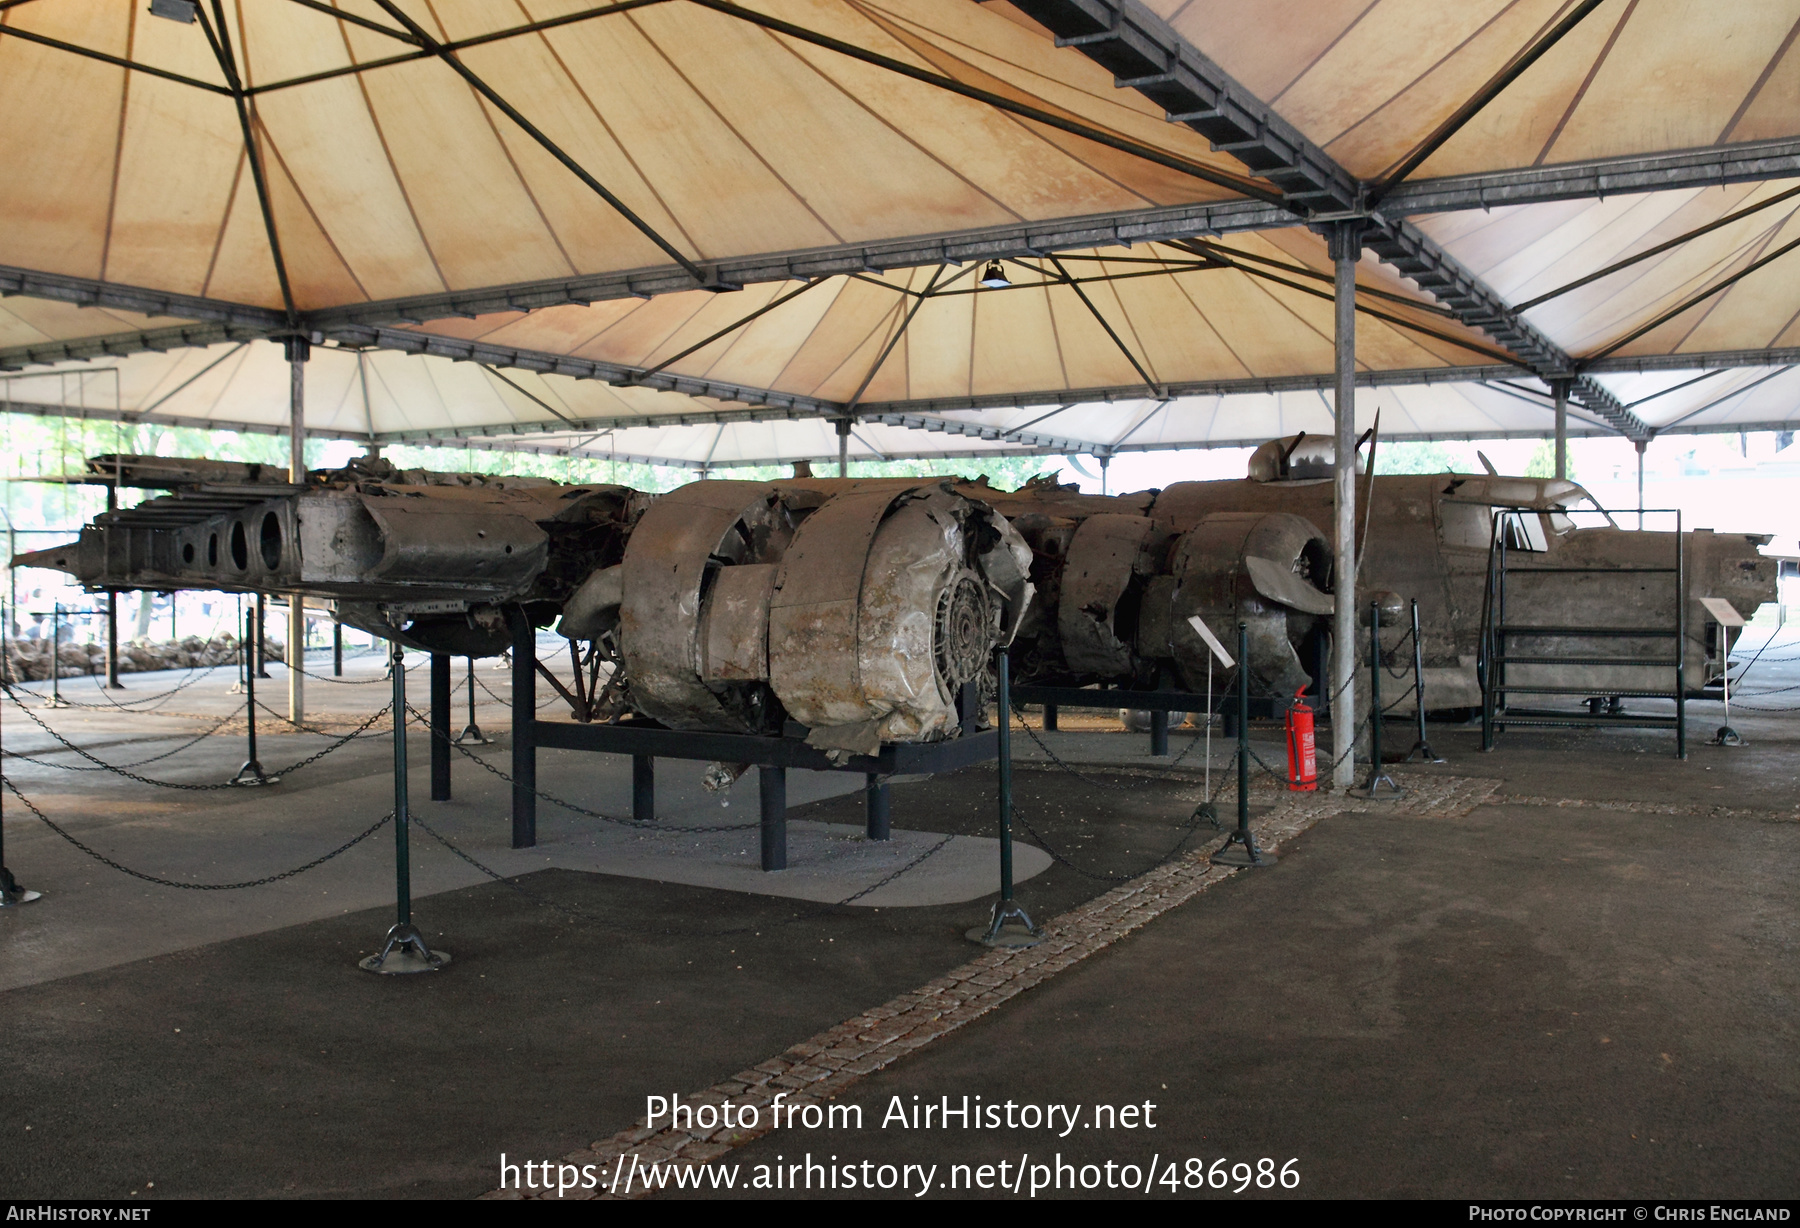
{"x": 646, "y": 741}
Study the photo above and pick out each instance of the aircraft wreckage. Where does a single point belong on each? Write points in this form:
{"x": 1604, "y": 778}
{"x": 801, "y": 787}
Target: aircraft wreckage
{"x": 861, "y": 608}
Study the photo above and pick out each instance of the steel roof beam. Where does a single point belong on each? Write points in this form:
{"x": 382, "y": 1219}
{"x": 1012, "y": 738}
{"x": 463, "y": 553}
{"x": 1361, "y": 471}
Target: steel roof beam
{"x": 118, "y": 345}
{"x": 89, "y": 292}
{"x": 1747, "y": 162}
{"x": 1145, "y": 54}
{"x": 954, "y": 247}
{"x": 459, "y": 350}
{"x": 1705, "y": 361}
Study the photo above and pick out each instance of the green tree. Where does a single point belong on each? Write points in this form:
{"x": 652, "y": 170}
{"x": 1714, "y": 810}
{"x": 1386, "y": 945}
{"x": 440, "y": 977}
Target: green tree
{"x": 1543, "y": 462}
{"x": 1428, "y": 457}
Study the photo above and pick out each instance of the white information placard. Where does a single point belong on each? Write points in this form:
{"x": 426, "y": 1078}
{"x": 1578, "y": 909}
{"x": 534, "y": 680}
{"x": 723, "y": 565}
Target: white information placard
{"x": 1212, "y": 641}
{"x": 1722, "y": 612}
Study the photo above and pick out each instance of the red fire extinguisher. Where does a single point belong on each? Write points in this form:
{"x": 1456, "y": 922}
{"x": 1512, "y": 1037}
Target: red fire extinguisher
{"x": 1303, "y": 755}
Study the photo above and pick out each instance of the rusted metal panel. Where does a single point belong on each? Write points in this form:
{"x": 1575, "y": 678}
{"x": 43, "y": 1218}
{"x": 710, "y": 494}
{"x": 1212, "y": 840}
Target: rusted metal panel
{"x": 734, "y": 626}
{"x": 676, "y": 549}
{"x": 1103, "y": 556}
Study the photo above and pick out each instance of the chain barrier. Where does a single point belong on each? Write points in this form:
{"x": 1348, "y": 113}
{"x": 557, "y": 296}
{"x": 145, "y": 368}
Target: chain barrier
{"x": 352, "y": 681}
{"x": 1393, "y": 653}
{"x": 170, "y": 784}
{"x": 508, "y": 703}
{"x": 1187, "y": 833}
{"x": 572, "y": 807}
{"x": 195, "y": 673}
{"x": 74, "y": 767}
{"x": 104, "y": 860}
{"x": 303, "y": 728}
{"x": 612, "y": 924}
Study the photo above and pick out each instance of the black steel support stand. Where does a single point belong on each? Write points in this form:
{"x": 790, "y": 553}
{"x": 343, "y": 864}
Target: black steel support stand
{"x": 471, "y": 734}
{"x": 243, "y": 650}
{"x": 1421, "y": 747}
{"x": 440, "y": 727}
{"x": 262, "y": 655}
{"x": 1239, "y": 849}
{"x": 1159, "y": 733}
{"x": 1379, "y": 784}
{"x": 11, "y": 894}
{"x": 56, "y": 699}
{"x": 524, "y": 728}
{"x": 878, "y": 799}
{"x": 1050, "y": 718}
{"x": 1006, "y": 909}
{"x": 112, "y": 610}
{"x": 337, "y": 650}
{"x": 643, "y": 788}
{"x": 252, "y": 771}
{"x": 112, "y": 641}
{"x": 405, "y": 949}
{"x": 773, "y": 782}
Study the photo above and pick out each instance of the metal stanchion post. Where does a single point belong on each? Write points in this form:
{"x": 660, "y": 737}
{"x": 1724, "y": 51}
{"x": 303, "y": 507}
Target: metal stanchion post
{"x": 1421, "y": 747}
{"x": 11, "y": 894}
{"x": 1379, "y": 784}
{"x": 471, "y": 733}
{"x": 524, "y": 728}
{"x": 1239, "y": 849}
{"x": 440, "y": 727}
{"x": 1006, "y": 909}
{"x": 337, "y": 650}
{"x": 878, "y": 804}
{"x": 405, "y": 949}
{"x": 262, "y": 656}
{"x": 56, "y": 699}
{"x": 252, "y": 771}
{"x": 112, "y": 640}
{"x": 243, "y": 649}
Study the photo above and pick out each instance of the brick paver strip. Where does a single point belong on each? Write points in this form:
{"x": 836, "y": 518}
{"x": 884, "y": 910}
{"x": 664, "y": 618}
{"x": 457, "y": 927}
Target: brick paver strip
{"x": 823, "y": 1066}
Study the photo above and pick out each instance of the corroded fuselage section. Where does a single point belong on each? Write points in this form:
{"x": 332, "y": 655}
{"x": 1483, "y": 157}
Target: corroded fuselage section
{"x": 866, "y": 609}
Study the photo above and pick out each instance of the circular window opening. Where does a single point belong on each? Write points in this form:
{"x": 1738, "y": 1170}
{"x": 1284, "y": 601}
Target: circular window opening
{"x": 187, "y": 552}
{"x": 240, "y": 547}
{"x": 212, "y": 550}
{"x": 270, "y": 542}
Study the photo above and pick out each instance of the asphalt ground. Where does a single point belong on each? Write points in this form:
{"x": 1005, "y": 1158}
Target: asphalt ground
{"x": 270, "y": 1065}
{"x": 1589, "y": 995}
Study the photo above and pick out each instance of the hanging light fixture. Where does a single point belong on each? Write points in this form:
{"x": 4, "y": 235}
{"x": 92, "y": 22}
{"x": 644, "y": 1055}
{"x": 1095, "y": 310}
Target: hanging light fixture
{"x": 993, "y": 277}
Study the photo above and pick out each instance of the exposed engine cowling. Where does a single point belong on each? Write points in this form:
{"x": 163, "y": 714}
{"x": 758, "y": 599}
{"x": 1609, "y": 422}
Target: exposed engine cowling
{"x": 1265, "y": 570}
{"x": 857, "y": 609}
{"x": 1122, "y": 587}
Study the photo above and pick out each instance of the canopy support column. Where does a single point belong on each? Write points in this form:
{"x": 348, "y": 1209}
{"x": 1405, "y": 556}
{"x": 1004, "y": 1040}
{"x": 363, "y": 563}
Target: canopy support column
{"x": 1345, "y": 239}
{"x": 843, "y": 434}
{"x": 1561, "y": 388}
{"x": 298, "y": 350}
{"x": 1639, "y": 444}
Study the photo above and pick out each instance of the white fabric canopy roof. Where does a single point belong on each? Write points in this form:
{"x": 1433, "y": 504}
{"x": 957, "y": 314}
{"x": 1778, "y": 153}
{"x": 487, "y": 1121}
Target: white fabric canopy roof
{"x": 493, "y": 223}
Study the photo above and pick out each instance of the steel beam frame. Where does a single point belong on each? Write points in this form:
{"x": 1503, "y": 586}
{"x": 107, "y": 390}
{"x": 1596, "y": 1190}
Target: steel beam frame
{"x": 1598, "y": 178}
{"x": 1145, "y": 54}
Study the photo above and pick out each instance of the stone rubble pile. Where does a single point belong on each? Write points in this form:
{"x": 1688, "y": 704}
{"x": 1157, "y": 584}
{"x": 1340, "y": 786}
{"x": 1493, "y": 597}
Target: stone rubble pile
{"x": 29, "y": 660}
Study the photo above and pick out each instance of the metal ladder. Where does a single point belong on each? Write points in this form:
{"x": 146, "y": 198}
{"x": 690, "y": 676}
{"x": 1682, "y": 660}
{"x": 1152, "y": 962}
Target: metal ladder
{"x": 1501, "y": 645}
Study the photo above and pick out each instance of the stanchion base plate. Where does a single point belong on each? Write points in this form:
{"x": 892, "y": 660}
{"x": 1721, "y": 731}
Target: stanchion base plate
{"x": 58, "y": 703}
{"x": 471, "y": 736}
{"x": 1425, "y": 753}
{"x": 1727, "y": 736}
{"x": 404, "y": 952}
{"x": 251, "y": 775}
{"x": 1010, "y": 929}
{"x": 1208, "y": 813}
{"x": 1235, "y": 857}
{"x": 1380, "y": 788}
{"x": 12, "y": 899}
